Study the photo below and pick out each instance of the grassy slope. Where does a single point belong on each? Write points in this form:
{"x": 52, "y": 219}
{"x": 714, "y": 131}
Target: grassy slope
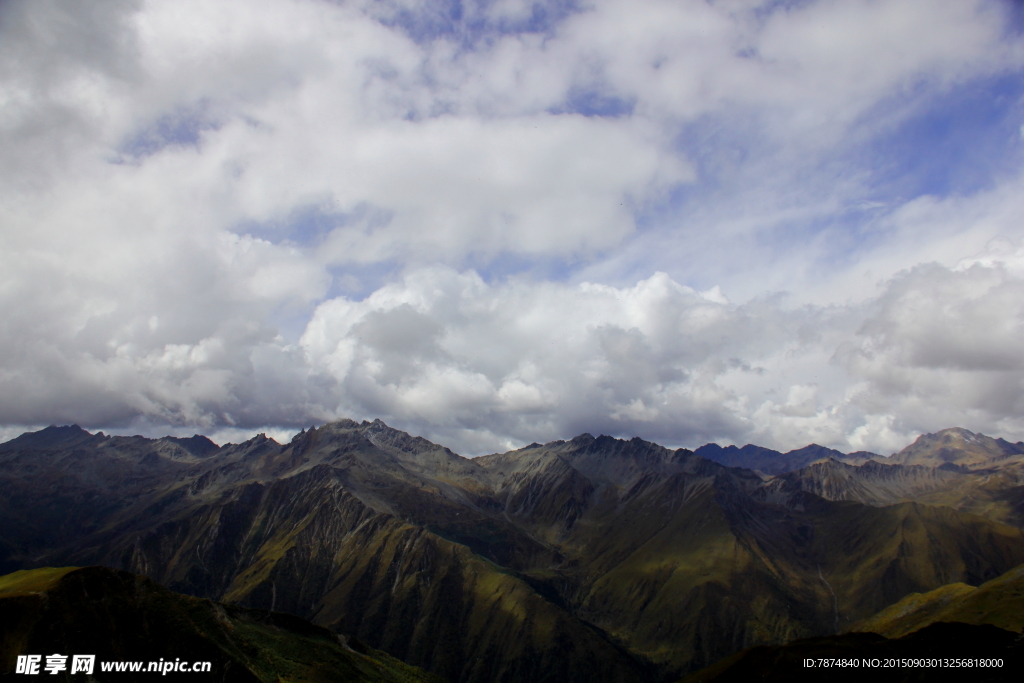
{"x": 28, "y": 581}
{"x": 999, "y": 602}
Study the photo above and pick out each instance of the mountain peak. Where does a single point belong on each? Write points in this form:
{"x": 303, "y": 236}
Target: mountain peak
{"x": 951, "y": 433}
{"x": 957, "y": 446}
{"x": 48, "y": 438}
{"x": 197, "y": 444}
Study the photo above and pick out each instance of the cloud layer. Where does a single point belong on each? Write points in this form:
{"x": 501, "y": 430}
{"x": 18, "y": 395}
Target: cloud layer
{"x": 499, "y": 222}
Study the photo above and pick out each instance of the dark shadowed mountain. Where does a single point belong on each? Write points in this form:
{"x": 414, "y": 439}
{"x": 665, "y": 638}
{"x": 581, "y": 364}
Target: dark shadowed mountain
{"x": 856, "y": 657}
{"x": 51, "y": 438}
{"x": 954, "y": 622}
{"x": 581, "y": 560}
{"x": 118, "y": 616}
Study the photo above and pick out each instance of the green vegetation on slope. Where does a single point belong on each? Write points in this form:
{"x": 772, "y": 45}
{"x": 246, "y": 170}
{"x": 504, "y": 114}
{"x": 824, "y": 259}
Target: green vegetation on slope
{"x": 26, "y": 581}
{"x": 999, "y": 602}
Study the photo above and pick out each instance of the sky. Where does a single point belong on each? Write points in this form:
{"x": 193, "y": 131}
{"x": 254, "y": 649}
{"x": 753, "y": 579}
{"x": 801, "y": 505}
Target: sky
{"x": 497, "y": 222}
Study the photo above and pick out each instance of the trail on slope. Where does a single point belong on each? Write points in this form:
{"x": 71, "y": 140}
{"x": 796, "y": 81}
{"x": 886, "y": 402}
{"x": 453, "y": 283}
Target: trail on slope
{"x": 835, "y": 600}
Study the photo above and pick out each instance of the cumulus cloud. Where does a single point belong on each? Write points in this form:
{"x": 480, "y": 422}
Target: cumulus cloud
{"x": 486, "y": 367}
{"x": 511, "y": 222}
{"x": 944, "y": 345}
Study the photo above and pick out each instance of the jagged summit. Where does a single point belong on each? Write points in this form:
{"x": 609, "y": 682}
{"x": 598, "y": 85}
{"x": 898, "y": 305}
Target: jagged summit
{"x": 197, "y": 444}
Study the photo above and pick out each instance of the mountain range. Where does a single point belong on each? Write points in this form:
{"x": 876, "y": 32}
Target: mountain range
{"x": 580, "y": 560}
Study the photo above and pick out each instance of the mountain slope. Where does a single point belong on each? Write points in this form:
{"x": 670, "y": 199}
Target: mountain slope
{"x": 725, "y": 572}
{"x": 872, "y": 483}
{"x": 119, "y": 616}
{"x": 997, "y": 495}
{"x": 999, "y": 602}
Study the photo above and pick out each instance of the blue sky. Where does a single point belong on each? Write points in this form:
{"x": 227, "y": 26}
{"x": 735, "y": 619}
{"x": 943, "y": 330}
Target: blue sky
{"x": 493, "y": 223}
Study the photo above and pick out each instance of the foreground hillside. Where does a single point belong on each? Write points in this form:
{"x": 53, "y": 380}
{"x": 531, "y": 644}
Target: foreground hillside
{"x": 955, "y": 622}
{"x": 939, "y": 652}
{"x": 589, "y": 559}
{"x": 999, "y": 602}
{"x": 118, "y": 617}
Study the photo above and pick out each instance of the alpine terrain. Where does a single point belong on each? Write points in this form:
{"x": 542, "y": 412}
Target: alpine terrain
{"x": 593, "y": 559}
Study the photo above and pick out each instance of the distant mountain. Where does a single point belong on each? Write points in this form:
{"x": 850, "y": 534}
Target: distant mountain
{"x": 589, "y": 559}
{"x": 51, "y": 438}
{"x": 872, "y": 483}
{"x": 960, "y": 448}
{"x": 953, "y": 449}
{"x": 198, "y": 445}
{"x": 995, "y": 492}
{"x": 775, "y": 463}
{"x": 118, "y": 616}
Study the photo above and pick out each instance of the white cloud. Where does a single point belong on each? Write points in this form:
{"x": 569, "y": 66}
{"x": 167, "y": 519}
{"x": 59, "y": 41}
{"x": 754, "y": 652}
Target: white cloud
{"x": 188, "y": 185}
{"x": 481, "y": 366}
{"x": 944, "y": 345}
{"x": 542, "y": 361}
